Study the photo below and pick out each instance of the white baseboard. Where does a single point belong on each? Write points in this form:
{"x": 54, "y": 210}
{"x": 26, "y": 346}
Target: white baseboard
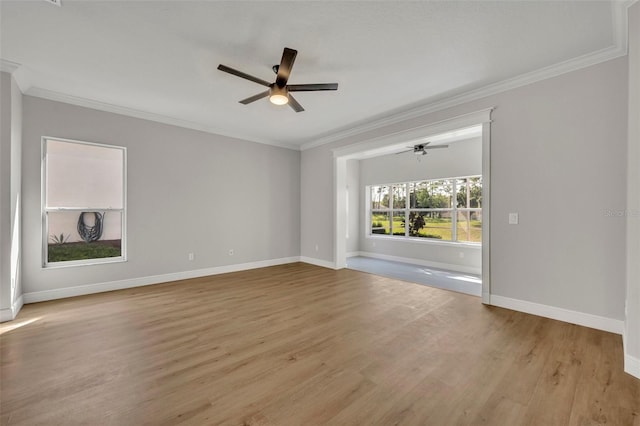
{"x": 574, "y": 317}
{"x": 9, "y": 314}
{"x": 353, "y": 253}
{"x": 428, "y": 263}
{"x": 6, "y": 315}
{"x": 632, "y": 365}
{"x": 60, "y": 293}
{"x": 318, "y": 262}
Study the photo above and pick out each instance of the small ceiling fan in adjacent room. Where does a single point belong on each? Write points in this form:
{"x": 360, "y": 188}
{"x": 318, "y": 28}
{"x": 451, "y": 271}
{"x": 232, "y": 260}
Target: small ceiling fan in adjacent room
{"x": 279, "y": 91}
{"x": 421, "y": 149}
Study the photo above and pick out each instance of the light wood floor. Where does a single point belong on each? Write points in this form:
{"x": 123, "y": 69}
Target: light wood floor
{"x": 302, "y": 345}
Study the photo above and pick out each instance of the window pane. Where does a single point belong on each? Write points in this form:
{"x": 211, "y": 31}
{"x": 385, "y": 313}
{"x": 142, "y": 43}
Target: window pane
{"x": 436, "y": 225}
{"x": 469, "y": 192}
{"x": 380, "y": 223}
{"x": 399, "y": 196}
{"x": 379, "y": 197}
{"x": 462, "y": 196}
{"x": 469, "y": 227}
{"x": 398, "y": 223}
{"x": 90, "y": 237}
{"x": 435, "y": 194}
{"x": 82, "y": 175}
{"x": 418, "y": 192}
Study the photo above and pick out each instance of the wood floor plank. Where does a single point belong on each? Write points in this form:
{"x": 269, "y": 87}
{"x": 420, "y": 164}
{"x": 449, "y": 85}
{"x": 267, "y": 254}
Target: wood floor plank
{"x": 299, "y": 344}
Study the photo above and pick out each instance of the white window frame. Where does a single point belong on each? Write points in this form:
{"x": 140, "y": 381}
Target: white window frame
{"x": 407, "y": 209}
{"x": 45, "y": 210}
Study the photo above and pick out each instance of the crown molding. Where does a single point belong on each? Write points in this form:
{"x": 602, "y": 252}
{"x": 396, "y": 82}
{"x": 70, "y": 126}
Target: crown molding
{"x": 492, "y": 89}
{"x": 8, "y": 66}
{"x": 410, "y": 135}
{"x": 51, "y": 95}
{"x": 619, "y": 48}
{"x": 619, "y": 18}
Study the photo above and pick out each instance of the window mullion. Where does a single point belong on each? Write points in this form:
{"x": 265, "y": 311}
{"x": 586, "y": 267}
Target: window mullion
{"x": 454, "y": 211}
{"x": 406, "y": 209}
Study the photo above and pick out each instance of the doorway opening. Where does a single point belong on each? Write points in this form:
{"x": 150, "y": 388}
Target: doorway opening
{"x": 418, "y": 211}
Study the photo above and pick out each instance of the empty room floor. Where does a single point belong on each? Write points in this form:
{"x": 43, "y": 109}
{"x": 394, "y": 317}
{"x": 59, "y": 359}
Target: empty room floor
{"x": 299, "y": 344}
{"x": 434, "y": 277}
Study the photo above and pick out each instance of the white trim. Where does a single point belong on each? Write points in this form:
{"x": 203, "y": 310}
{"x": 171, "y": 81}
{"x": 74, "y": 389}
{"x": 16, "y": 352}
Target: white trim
{"x": 439, "y": 265}
{"x": 570, "y": 65}
{"x": 632, "y": 365}
{"x": 574, "y": 317}
{"x": 619, "y": 48}
{"x": 8, "y": 66}
{"x": 318, "y": 262}
{"x": 51, "y": 95}
{"x": 10, "y": 314}
{"x": 411, "y": 134}
{"x": 454, "y": 209}
{"x": 486, "y": 212}
{"x": 6, "y": 315}
{"x": 44, "y": 210}
{"x": 60, "y": 293}
{"x": 353, "y": 253}
{"x": 340, "y": 211}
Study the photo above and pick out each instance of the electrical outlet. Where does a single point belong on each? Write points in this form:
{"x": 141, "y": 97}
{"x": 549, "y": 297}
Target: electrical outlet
{"x": 461, "y": 254}
{"x": 317, "y": 247}
{"x": 230, "y": 252}
{"x": 191, "y": 257}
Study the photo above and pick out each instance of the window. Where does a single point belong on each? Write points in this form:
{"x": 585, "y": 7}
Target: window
{"x": 83, "y": 191}
{"x": 443, "y": 209}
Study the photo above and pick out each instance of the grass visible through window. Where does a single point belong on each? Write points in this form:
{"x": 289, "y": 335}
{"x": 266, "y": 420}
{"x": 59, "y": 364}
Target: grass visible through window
{"x": 82, "y": 251}
{"x": 434, "y": 228}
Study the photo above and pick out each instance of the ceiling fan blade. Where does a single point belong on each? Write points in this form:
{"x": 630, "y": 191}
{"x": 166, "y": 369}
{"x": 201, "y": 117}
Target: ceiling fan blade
{"x": 254, "y": 98}
{"x": 402, "y": 152}
{"x": 436, "y": 147}
{"x": 243, "y": 75}
{"x": 294, "y": 104}
{"x": 286, "y": 63}
{"x": 311, "y": 87}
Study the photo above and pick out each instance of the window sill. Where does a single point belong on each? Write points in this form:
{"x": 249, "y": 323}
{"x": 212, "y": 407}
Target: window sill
{"x": 88, "y": 262}
{"x": 417, "y": 240}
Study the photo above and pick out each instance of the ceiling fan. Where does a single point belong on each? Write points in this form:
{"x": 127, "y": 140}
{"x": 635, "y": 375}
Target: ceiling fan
{"x": 421, "y": 149}
{"x": 279, "y": 91}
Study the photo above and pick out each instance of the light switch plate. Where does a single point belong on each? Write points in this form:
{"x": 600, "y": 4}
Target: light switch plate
{"x": 513, "y": 218}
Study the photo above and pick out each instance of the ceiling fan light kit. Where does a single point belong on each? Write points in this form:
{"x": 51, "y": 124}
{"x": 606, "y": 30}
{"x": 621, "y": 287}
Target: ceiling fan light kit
{"x": 278, "y": 95}
{"x": 278, "y": 92}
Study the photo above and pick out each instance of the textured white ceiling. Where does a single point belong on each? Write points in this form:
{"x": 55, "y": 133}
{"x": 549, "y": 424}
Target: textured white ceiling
{"x": 161, "y": 57}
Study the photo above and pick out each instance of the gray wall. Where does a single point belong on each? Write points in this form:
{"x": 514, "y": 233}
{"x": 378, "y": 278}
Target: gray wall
{"x": 353, "y": 184}
{"x": 558, "y": 158}
{"x": 632, "y": 325}
{"x": 462, "y": 158}
{"x": 316, "y": 204}
{"x": 187, "y": 191}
